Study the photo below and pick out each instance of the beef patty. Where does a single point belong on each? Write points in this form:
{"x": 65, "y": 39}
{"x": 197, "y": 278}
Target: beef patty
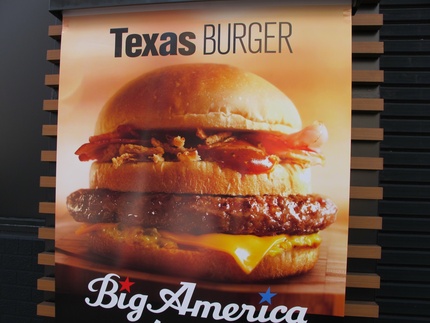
{"x": 198, "y": 214}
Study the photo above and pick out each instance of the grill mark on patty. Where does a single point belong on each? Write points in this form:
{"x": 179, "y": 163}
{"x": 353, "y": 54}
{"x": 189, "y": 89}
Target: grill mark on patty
{"x": 199, "y": 214}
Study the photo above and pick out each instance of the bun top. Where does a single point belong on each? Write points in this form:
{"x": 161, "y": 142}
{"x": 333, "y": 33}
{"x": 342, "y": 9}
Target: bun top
{"x": 207, "y": 96}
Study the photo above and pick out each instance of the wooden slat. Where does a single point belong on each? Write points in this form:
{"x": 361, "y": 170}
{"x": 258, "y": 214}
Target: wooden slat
{"x": 54, "y": 31}
{"x": 360, "y": 280}
{"x": 361, "y": 309}
{"x": 46, "y": 309}
{"x": 365, "y": 222}
{"x": 50, "y": 105}
{"x": 52, "y": 80}
{"x": 367, "y": 76}
{"x": 48, "y": 156}
{"x": 365, "y": 104}
{"x": 368, "y": 163}
{"x": 372, "y": 134}
{"x": 367, "y": 48}
{"x": 46, "y": 233}
{"x": 364, "y": 251}
{"x": 47, "y": 181}
{"x": 47, "y": 207}
{"x": 366, "y": 193}
{"x": 368, "y": 21}
{"x": 46, "y": 258}
{"x": 46, "y": 284}
{"x": 53, "y": 55}
{"x": 49, "y": 130}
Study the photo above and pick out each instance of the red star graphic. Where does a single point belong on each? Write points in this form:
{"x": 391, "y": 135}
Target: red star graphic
{"x": 125, "y": 285}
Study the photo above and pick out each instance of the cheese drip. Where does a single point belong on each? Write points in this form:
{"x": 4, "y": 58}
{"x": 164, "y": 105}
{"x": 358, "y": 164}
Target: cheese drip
{"x": 247, "y": 250}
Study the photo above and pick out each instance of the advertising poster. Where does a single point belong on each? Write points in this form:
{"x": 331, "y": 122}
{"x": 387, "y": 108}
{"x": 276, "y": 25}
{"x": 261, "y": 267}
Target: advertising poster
{"x": 203, "y": 162}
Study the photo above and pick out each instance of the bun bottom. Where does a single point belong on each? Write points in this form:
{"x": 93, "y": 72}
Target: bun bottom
{"x": 202, "y": 264}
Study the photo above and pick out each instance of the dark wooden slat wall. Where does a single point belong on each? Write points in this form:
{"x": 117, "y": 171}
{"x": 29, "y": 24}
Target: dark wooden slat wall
{"x": 405, "y": 236}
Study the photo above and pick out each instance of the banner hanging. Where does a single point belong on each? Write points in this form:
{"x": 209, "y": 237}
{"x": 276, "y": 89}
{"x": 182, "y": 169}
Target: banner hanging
{"x": 203, "y": 162}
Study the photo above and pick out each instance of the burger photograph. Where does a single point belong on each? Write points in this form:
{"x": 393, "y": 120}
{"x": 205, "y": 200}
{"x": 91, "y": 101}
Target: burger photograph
{"x": 227, "y": 171}
{"x": 202, "y": 170}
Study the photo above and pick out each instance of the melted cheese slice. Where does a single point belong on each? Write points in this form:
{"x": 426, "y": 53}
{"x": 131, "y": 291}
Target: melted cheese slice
{"x": 247, "y": 250}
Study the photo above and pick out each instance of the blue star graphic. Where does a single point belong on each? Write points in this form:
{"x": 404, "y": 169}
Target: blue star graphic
{"x": 267, "y": 296}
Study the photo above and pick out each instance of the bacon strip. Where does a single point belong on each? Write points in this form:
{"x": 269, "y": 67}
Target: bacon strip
{"x": 311, "y": 138}
{"x": 248, "y": 153}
